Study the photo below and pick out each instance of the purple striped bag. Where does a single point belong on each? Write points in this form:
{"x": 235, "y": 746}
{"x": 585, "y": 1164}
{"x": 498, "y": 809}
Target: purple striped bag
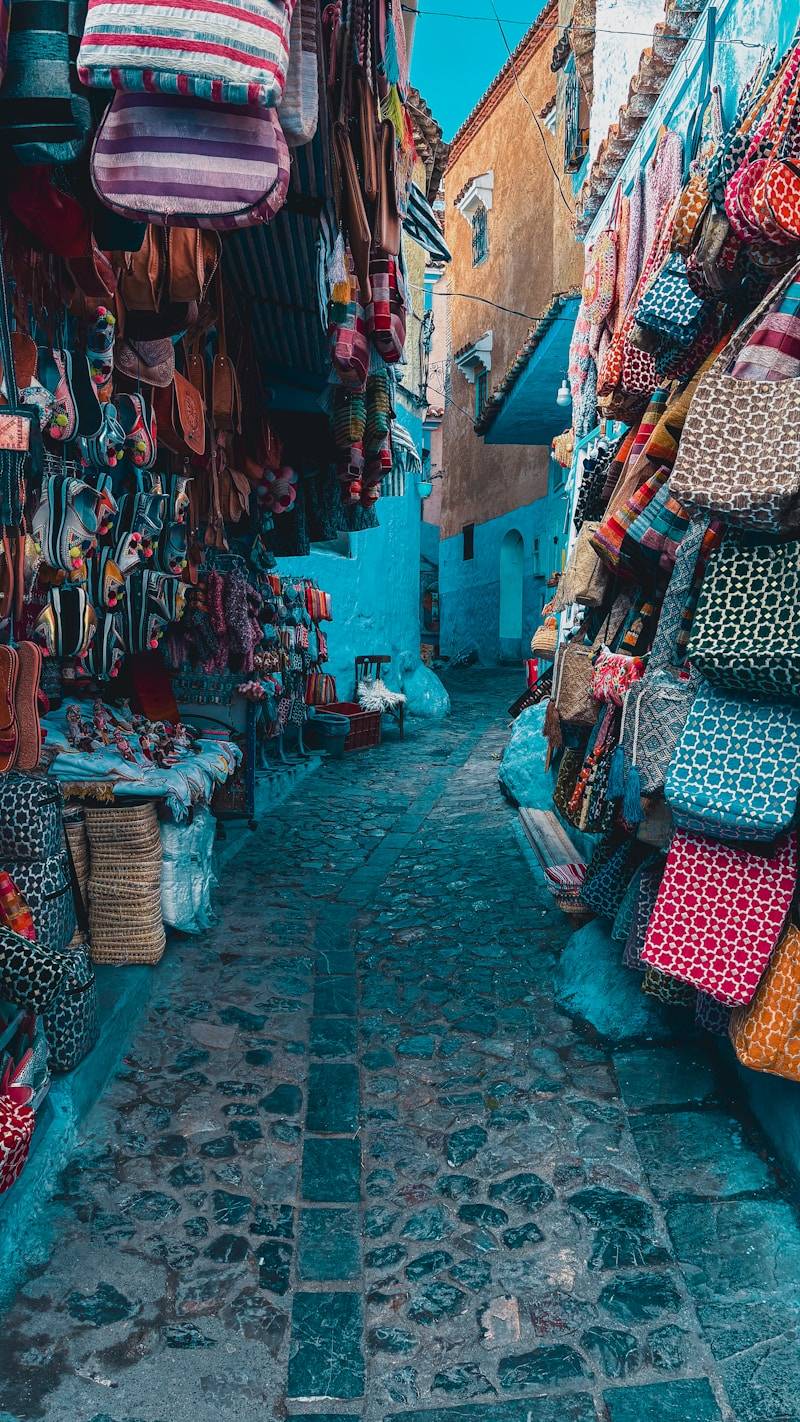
{"x": 225, "y": 51}
{"x": 183, "y": 163}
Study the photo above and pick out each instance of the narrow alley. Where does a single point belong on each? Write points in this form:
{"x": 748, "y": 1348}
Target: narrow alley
{"x": 357, "y": 1166}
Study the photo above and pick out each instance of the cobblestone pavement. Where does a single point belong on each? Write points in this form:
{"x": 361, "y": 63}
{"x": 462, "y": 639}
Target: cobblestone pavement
{"x": 357, "y": 1166}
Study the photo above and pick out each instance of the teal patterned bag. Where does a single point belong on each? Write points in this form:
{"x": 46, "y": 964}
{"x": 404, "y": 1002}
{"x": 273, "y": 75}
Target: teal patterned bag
{"x": 736, "y": 771}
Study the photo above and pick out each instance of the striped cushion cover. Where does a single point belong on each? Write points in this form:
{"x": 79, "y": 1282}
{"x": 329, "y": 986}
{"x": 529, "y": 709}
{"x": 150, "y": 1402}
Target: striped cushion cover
{"x": 184, "y": 163}
{"x": 225, "y": 51}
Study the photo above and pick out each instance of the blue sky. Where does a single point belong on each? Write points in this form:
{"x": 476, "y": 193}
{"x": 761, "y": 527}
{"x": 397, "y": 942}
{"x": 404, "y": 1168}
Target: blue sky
{"x": 455, "y": 60}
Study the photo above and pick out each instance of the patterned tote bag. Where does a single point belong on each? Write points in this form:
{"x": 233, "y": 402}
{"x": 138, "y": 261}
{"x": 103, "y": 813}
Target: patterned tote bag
{"x": 746, "y": 631}
{"x": 736, "y": 769}
{"x": 766, "y": 1034}
{"x": 719, "y": 913}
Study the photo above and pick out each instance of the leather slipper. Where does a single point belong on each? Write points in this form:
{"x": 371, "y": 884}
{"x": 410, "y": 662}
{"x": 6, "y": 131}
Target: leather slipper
{"x": 26, "y": 700}
{"x": 9, "y": 671}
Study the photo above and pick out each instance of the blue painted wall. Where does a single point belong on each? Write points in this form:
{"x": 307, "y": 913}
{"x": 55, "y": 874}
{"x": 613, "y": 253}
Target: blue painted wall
{"x": 470, "y": 588}
{"x": 375, "y": 590}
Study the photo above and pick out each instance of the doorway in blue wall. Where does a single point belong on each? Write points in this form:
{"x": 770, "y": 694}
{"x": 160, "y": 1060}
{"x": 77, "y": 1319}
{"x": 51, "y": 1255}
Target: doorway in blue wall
{"x": 511, "y": 556}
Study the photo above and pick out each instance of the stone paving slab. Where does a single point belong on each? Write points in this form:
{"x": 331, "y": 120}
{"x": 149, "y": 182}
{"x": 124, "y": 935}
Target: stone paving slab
{"x": 357, "y": 1164}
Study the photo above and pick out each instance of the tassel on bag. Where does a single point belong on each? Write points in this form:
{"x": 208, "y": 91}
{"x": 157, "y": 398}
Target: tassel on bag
{"x": 632, "y": 810}
{"x": 616, "y": 775}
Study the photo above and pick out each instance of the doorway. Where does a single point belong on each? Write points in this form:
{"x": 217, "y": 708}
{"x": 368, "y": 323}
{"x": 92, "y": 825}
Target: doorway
{"x": 511, "y": 579}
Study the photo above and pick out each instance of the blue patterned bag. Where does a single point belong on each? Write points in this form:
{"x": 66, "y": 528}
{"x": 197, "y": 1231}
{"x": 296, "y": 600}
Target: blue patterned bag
{"x": 736, "y": 770}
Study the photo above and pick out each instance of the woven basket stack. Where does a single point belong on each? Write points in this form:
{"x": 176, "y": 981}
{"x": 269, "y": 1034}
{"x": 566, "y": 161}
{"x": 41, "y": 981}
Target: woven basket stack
{"x": 125, "y": 884}
{"x": 78, "y": 840}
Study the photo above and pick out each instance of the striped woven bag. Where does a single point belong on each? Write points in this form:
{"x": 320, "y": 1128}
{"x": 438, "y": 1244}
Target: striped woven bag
{"x": 183, "y": 163}
{"x": 227, "y": 51}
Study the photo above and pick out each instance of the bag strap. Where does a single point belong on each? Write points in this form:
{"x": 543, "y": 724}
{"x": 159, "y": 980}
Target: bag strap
{"x": 80, "y": 908}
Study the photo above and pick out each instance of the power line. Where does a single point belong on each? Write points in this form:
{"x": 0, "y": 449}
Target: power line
{"x": 509, "y": 310}
{"x": 527, "y": 102}
{"x": 573, "y": 29}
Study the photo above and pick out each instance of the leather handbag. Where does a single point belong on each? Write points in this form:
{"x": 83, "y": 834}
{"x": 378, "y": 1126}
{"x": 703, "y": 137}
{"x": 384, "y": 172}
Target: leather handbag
{"x": 719, "y": 913}
{"x": 354, "y": 212}
{"x": 183, "y": 163}
{"x": 584, "y": 579}
{"x": 735, "y": 773}
{"x": 766, "y": 1034}
{"x": 739, "y": 456}
{"x": 746, "y": 631}
{"x": 180, "y": 415}
{"x": 238, "y": 56}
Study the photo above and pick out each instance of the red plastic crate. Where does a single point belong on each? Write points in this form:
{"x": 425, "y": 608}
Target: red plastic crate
{"x": 365, "y": 726}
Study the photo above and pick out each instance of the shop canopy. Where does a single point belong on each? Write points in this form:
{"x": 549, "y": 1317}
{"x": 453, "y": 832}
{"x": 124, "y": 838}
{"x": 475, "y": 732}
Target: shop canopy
{"x": 523, "y": 408}
{"x": 421, "y": 225}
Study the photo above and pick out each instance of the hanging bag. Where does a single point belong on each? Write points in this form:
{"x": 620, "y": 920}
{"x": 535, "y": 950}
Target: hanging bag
{"x": 746, "y": 631}
{"x": 235, "y": 53}
{"x": 600, "y": 275}
{"x": 766, "y": 1034}
{"x": 739, "y": 455}
{"x": 719, "y": 913}
{"x": 656, "y": 708}
{"x": 299, "y": 109}
{"x": 44, "y": 117}
{"x": 180, "y": 162}
{"x": 735, "y": 773}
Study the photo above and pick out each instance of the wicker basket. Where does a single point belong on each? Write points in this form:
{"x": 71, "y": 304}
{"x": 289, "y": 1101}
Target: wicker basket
{"x": 77, "y": 839}
{"x": 125, "y": 884}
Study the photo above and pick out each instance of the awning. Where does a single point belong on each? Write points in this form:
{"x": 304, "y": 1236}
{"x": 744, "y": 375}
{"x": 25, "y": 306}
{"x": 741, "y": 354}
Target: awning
{"x": 421, "y": 226}
{"x": 406, "y": 459}
{"x": 523, "y": 409}
{"x": 274, "y": 270}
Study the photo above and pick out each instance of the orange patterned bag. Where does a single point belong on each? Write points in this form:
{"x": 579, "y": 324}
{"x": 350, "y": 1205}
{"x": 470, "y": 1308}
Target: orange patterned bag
{"x": 766, "y": 1034}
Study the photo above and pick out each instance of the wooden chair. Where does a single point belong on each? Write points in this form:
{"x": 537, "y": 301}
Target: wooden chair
{"x": 370, "y": 669}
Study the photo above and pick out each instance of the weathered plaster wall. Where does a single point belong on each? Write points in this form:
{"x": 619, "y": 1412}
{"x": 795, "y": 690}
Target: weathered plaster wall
{"x": 623, "y": 28}
{"x": 520, "y": 272}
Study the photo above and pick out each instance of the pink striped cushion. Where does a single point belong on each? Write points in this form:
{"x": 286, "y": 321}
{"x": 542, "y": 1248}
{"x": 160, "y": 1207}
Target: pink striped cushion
{"x": 225, "y": 51}
{"x": 184, "y": 163}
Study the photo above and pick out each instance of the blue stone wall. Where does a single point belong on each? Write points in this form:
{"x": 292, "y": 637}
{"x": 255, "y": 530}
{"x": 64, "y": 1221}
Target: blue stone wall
{"x": 375, "y": 591}
{"x": 470, "y": 589}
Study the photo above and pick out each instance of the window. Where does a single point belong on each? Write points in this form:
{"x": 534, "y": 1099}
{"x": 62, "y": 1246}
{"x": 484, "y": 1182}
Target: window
{"x": 576, "y": 119}
{"x": 480, "y": 235}
{"x": 468, "y": 541}
{"x": 481, "y": 391}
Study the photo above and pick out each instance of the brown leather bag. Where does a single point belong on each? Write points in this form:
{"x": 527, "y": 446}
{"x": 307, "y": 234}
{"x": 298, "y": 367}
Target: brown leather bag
{"x": 140, "y": 275}
{"x": 195, "y": 363}
{"x": 354, "y": 213}
{"x": 226, "y": 413}
{"x": 368, "y": 130}
{"x": 180, "y": 415}
{"x": 388, "y": 226}
{"x": 192, "y": 259}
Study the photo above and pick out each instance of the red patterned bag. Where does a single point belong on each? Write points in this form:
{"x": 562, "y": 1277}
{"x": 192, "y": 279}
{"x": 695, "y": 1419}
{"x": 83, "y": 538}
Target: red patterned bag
{"x": 720, "y": 912}
{"x": 386, "y": 312}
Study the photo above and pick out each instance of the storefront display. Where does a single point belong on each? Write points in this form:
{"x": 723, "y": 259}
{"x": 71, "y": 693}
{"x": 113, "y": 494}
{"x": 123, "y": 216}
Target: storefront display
{"x": 152, "y": 657}
{"x": 676, "y": 705}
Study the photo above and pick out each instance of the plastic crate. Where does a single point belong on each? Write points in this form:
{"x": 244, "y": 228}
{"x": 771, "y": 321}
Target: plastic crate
{"x": 365, "y": 726}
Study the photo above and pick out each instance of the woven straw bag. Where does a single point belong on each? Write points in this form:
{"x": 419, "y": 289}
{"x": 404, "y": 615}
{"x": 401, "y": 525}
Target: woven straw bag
{"x": 739, "y": 455}
{"x": 585, "y": 578}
